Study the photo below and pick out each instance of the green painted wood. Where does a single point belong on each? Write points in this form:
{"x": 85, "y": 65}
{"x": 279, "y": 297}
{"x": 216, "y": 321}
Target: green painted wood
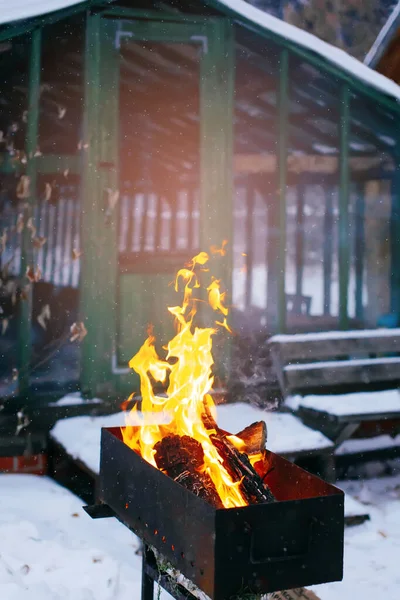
{"x": 26, "y": 26}
{"x": 89, "y": 313}
{"x": 359, "y": 249}
{"x": 328, "y": 248}
{"x": 250, "y": 194}
{"x": 107, "y": 169}
{"x": 216, "y": 131}
{"x": 31, "y": 143}
{"x": 58, "y": 163}
{"x": 140, "y": 298}
{"x": 125, "y": 12}
{"x": 395, "y": 243}
{"x": 283, "y": 121}
{"x": 272, "y": 254}
{"x": 143, "y": 301}
{"x": 158, "y": 31}
{"x": 344, "y": 191}
{"x": 301, "y": 192}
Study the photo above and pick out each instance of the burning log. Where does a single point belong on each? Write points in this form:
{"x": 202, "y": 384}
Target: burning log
{"x": 237, "y": 463}
{"x": 239, "y": 467}
{"x": 254, "y": 437}
{"x": 182, "y": 458}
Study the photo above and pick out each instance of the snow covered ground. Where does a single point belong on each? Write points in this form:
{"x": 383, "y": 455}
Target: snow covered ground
{"x": 51, "y": 550}
{"x": 80, "y": 436}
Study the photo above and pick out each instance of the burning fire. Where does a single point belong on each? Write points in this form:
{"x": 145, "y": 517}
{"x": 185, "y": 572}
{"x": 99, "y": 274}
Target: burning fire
{"x": 187, "y": 373}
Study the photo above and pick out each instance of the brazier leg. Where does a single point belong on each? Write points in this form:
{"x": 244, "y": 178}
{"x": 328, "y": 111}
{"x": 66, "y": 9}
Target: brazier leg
{"x": 147, "y": 581}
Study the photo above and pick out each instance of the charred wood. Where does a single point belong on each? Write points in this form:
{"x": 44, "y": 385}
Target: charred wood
{"x": 181, "y": 457}
{"x": 238, "y": 465}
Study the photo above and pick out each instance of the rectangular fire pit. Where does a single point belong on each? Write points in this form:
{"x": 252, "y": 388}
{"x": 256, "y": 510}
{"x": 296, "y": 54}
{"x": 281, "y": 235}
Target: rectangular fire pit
{"x": 294, "y": 542}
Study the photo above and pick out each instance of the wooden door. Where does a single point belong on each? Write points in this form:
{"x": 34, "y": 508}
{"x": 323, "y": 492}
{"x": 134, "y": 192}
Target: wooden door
{"x": 157, "y": 183}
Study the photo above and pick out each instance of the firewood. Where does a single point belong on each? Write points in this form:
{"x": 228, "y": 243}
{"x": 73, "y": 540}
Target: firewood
{"x": 255, "y": 437}
{"x": 238, "y": 465}
{"x": 181, "y": 457}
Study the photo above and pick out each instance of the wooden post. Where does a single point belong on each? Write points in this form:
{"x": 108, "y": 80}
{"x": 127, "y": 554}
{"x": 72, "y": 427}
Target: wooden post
{"x": 395, "y": 242}
{"x": 328, "y": 249}
{"x": 216, "y": 158}
{"x": 301, "y": 190}
{"x": 89, "y": 199}
{"x": 359, "y": 250}
{"x": 344, "y": 250}
{"x": 250, "y": 197}
{"x": 31, "y": 144}
{"x": 99, "y": 223}
{"x": 283, "y": 117}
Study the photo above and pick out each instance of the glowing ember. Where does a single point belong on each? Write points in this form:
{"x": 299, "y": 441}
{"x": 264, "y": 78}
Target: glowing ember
{"x": 187, "y": 374}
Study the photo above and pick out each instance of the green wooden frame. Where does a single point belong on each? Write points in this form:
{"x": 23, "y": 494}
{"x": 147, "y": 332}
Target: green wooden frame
{"x": 100, "y": 372}
{"x": 283, "y": 122}
{"x": 344, "y": 189}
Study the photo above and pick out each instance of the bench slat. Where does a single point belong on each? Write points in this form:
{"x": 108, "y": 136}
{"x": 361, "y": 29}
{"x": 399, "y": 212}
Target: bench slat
{"x": 316, "y": 346}
{"x": 335, "y": 373}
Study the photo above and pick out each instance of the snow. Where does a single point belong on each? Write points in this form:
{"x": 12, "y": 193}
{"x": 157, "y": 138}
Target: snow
{"x": 359, "y": 445}
{"x": 355, "y": 68}
{"x": 286, "y": 433}
{"x": 335, "y": 335}
{"x": 361, "y": 403}
{"x": 354, "y": 362}
{"x": 80, "y": 436}
{"x": 25, "y": 9}
{"x": 74, "y": 399}
{"x": 51, "y": 550}
{"x": 372, "y": 550}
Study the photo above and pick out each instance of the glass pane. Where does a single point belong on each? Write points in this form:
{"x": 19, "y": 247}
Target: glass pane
{"x": 159, "y": 182}
{"x": 311, "y": 280}
{"x": 256, "y": 198}
{"x": 370, "y": 229}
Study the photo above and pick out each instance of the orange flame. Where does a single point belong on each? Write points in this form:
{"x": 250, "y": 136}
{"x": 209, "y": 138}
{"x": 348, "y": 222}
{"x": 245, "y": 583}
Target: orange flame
{"x": 187, "y": 372}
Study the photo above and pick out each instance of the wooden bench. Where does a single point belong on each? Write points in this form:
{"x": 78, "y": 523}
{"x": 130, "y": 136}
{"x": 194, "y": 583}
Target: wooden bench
{"x": 335, "y": 381}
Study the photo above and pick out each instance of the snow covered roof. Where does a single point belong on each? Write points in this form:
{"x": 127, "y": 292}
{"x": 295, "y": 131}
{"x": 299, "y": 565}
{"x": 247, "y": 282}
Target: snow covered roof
{"x": 384, "y": 38}
{"x": 26, "y": 9}
{"x": 254, "y": 16}
{"x": 248, "y": 15}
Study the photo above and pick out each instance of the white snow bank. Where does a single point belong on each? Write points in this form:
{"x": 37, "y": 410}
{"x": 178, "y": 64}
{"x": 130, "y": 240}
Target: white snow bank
{"x": 355, "y": 362}
{"x": 371, "y": 552}
{"x": 25, "y": 9}
{"x": 286, "y": 433}
{"x": 335, "y": 335}
{"x": 52, "y": 550}
{"x": 360, "y": 403}
{"x": 73, "y": 399}
{"x": 359, "y": 445}
{"x": 80, "y": 436}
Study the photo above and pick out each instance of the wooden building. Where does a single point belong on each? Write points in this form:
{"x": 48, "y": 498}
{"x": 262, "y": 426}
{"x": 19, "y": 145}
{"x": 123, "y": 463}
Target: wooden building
{"x": 137, "y": 132}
